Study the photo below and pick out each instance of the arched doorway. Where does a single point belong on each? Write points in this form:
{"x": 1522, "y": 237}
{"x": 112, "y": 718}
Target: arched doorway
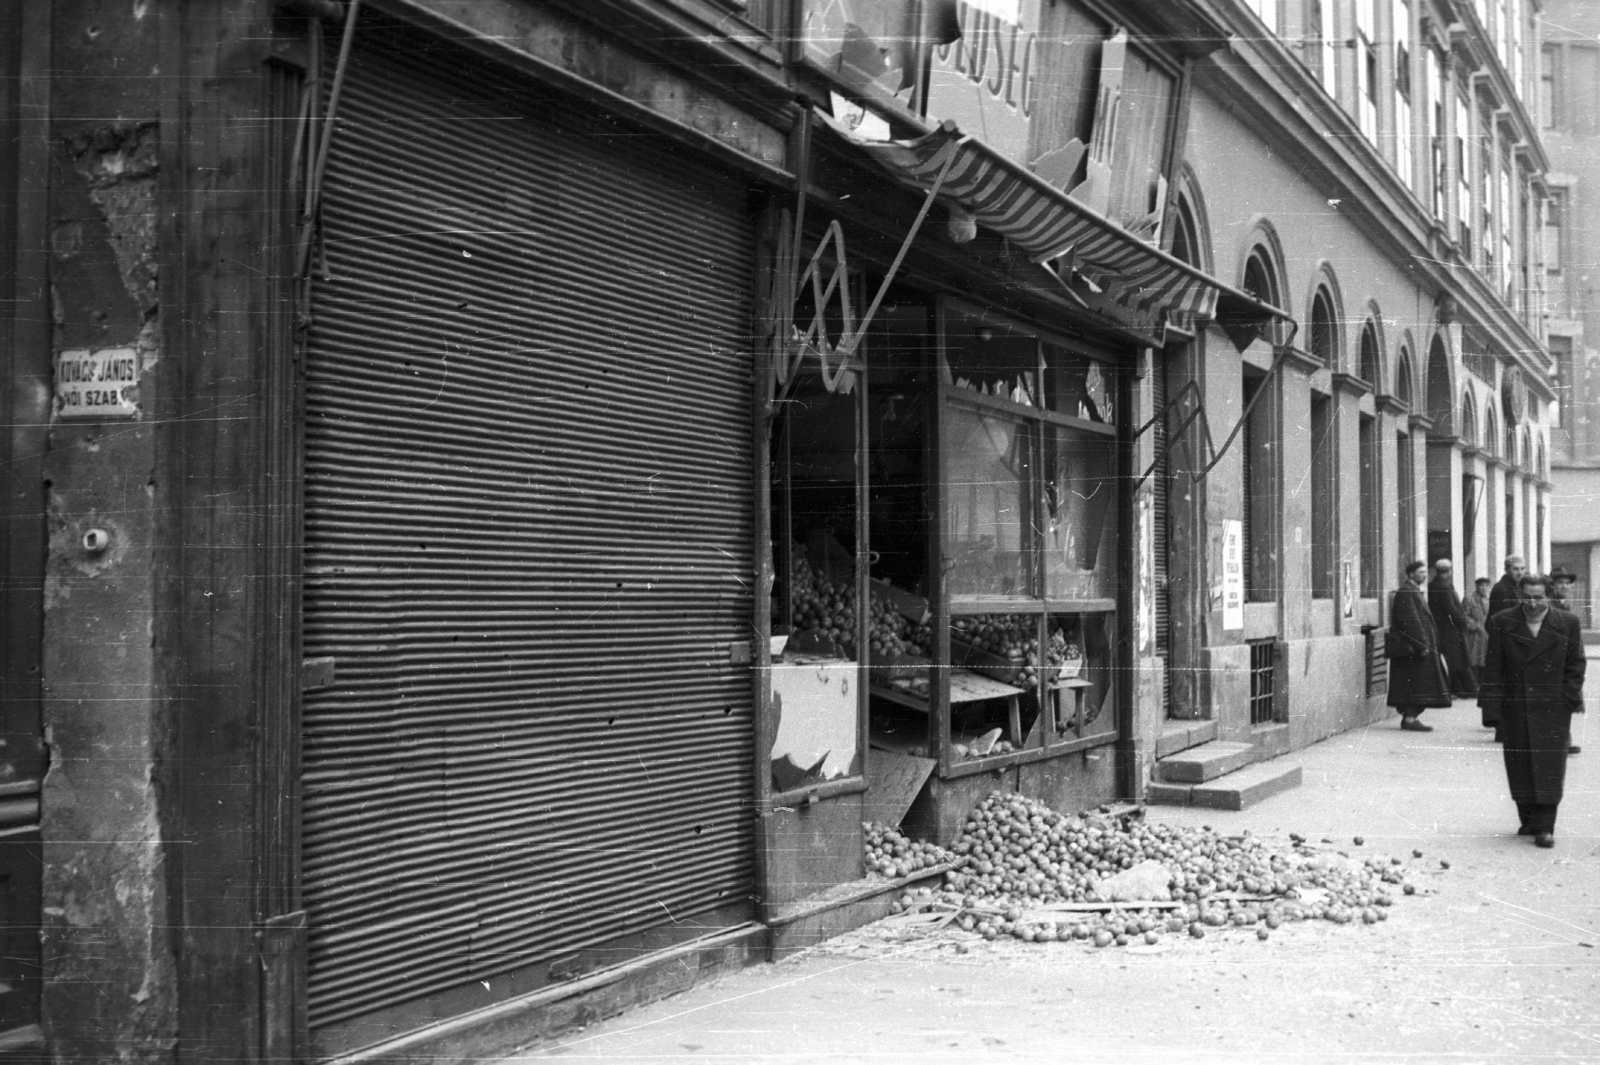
{"x": 1444, "y": 534}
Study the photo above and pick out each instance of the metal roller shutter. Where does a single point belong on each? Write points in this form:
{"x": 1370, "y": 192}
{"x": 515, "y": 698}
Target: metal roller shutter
{"x": 528, "y": 523}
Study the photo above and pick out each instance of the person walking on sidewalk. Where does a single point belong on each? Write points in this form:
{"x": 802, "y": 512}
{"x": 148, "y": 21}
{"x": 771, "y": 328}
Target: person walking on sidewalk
{"x": 1451, "y": 624}
{"x": 1506, "y": 591}
{"x": 1533, "y": 680}
{"x": 1416, "y": 672}
{"x": 1560, "y": 586}
{"x": 1476, "y": 608}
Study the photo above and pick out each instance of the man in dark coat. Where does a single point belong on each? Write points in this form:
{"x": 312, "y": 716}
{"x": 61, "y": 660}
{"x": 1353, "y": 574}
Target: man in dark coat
{"x": 1560, "y": 589}
{"x": 1506, "y": 591}
{"x": 1533, "y": 674}
{"x": 1416, "y": 673}
{"x": 1451, "y": 623}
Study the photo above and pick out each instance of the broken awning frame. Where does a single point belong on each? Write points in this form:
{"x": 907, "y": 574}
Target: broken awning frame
{"x": 1071, "y": 241}
{"x": 1056, "y": 231}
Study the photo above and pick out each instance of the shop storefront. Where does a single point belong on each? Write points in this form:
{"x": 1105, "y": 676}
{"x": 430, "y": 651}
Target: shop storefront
{"x": 976, "y": 466}
{"x": 955, "y": 442}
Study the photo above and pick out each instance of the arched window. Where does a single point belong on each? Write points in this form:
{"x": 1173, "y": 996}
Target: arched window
{"x": 1510, "y": 453}
{"x": 1469, "y": 420}
{"x": 1491, "y": 431}
{"x": 1402, "y": 378}
{"x": 1438, "y": 388}
{"x": 1324, "y": 330}
{"x": 1186, "y": 236}
{"x": 1260, "y": 279}
{"x": 1368, "y": 367}
{"x": 1539, "y": 461}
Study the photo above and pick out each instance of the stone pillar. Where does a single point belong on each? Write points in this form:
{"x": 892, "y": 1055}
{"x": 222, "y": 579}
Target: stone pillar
{"x": 107, "y": 948}
{"x": 1296, "y": 559}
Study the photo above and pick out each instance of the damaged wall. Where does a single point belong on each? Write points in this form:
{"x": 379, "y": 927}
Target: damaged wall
{"x": 110, "y": 990}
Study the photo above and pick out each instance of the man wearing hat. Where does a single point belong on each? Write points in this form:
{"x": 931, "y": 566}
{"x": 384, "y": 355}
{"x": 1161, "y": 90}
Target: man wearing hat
{"x": 1416, "y": 670}
{"x": 1561, "y": 581}
{"x": 1476, "y": 609}
{"x": 1452, "y": 627}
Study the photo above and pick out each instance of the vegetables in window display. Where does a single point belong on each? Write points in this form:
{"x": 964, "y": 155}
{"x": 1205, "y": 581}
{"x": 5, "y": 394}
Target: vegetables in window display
{"x": 829, "y": 609}
{"x": 1012, "y": 637}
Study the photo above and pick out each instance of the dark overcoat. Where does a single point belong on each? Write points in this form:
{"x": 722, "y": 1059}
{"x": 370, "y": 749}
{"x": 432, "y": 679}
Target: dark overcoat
{"x": 1505, "y": 594}
{"x": 1451, "y": 623}
{"x": 1416, "y": 677}
{"x": 1534, "y": 685}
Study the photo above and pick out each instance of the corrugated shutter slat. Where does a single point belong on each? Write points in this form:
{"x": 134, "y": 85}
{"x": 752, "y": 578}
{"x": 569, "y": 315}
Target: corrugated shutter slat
{"x": 527, "y": 541}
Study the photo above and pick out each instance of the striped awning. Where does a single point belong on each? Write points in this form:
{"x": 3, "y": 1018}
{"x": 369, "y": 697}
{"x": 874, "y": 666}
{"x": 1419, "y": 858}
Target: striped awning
{"x": 1052, "y": 227}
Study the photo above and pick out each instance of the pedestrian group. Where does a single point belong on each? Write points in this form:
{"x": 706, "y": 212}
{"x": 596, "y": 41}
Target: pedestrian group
{"x": 1515, "y": 648}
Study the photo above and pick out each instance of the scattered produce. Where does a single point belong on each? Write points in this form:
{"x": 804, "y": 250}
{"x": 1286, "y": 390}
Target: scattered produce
{"x": 891, "y": 854}
{"x": 1026, "y": 871}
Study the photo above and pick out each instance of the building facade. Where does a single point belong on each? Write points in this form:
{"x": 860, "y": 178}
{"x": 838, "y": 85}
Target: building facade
{"x": 501, "y": 492}
{"x": 1396, "y": 194}
{"x": 1569, "y": 76}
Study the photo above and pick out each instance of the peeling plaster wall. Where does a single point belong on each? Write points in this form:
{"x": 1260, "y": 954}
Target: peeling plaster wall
{"x": 110, "y": 991}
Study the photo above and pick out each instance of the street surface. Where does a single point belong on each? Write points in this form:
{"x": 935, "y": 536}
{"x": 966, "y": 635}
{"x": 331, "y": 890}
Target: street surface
{"x": 1497, "y": 959}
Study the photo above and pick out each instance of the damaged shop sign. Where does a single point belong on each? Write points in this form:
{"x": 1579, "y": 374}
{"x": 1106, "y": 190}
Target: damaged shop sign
{"x": 102, "y": 383}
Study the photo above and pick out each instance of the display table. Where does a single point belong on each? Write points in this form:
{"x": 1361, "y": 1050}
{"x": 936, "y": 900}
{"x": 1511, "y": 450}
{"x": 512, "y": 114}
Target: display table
{"x": 1077, "y": 686}
{"x": 965, "y": 687}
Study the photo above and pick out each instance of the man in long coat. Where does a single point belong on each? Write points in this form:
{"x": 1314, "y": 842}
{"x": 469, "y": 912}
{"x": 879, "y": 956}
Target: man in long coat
{"x": 1451, "y": 623}
{"x": 1416, "y": 673}
{"x": 1506, "y": 593}
{"x": 1506, "y": 590}
{"x": 1533, "y": 675}
{"x": 1476, "y": 608}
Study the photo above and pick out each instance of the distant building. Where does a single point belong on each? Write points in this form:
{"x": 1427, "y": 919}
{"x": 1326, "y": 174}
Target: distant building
{"x": 1569, "y": 116}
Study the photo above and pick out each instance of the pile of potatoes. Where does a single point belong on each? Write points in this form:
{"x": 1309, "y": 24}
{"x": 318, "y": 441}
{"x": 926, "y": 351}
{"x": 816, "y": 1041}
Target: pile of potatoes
{"x": 1016, "y": 857}
{"x": 891, "y": 854}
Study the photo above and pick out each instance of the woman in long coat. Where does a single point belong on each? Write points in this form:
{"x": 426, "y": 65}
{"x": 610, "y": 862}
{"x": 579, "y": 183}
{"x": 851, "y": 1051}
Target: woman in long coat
{"x": 1416, "y": 674}
{"x": 1534, "y": 684}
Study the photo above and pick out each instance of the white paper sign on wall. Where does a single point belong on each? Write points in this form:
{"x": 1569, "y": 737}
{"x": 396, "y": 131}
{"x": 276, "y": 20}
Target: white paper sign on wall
{"x": 1232, "y": 576}
{"x": 1146, "y": 616}
{"x": 100, "y": 383}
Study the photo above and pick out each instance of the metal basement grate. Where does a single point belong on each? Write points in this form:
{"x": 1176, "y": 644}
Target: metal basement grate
{"x": 1261, "y": 682}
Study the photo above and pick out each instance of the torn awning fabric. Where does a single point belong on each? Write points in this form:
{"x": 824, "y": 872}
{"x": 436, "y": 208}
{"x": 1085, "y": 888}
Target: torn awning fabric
{"x": 1054, "y": 229}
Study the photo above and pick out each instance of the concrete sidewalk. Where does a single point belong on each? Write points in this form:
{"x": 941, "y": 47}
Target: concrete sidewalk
{"x": 1498, "y": 959}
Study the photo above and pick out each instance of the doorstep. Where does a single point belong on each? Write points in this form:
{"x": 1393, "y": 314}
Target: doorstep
{"x": 1205, "y": 762}
{"x": 1179, "y": 735}
{"x": 1248, "y": 786}
{"x": 808, "y": 921}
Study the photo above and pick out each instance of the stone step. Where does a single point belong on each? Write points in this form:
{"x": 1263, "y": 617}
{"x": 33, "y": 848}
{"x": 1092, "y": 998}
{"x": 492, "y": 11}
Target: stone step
{"x": 1205, "y": 762}
{"x": 1178, "y": 735}
{"x": 1159, "y": 794}
{"x": 1246, "y": 787}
